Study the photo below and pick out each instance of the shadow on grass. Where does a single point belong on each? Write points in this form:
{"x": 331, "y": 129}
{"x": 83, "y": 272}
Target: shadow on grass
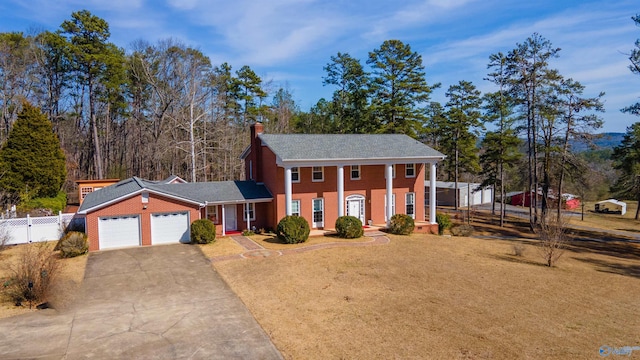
{"x": 630, "y": 230}
{"x": 517, "y": 260}
{"x": 613, "y": 267}
{"x": 609, "y": 247}
{"x": 274, "y": 240}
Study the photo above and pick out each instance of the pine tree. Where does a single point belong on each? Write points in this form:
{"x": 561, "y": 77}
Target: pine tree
{"x": 32, "y": 160}
{"x": 626, "y": 159}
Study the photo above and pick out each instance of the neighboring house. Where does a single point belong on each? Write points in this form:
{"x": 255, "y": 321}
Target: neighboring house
{"x": 323, "y": 177}
{"x": 137, "y": 212}
{"x": 522, "y": 198}
{"x": 446, "y": 193}
{"x": 86, "y": 187}
{"x": 611, "y": 206}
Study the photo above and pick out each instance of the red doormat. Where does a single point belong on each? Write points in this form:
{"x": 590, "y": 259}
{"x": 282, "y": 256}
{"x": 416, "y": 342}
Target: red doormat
{"x": 232, "y": 232}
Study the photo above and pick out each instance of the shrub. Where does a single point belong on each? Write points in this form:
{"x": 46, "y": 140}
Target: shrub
{"x": 552, "y": 233}
{"x": 33, "y": 274}
{"x": 293, "y": 229}
{"x": 349, "y": 227}
{"x": 518, "y": 249}
{"x": 401, "y": 224}
{"x": 73, "y": 244}
{"x": 444, "y": 222}
{"x": 462, "y": 230}
{"x": 248, "y": 232}
{"x": 203, "y": 231}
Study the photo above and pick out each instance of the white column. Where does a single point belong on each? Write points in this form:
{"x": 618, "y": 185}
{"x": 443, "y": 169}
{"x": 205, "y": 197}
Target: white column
{"x": 246, "y": 210}
{"x": 432, "y": 193}
{"x": 224, "y": 223}
{"x": 287, "y": 189}
{"x": 340, "y": 190}
{"x": 389, "y": 177}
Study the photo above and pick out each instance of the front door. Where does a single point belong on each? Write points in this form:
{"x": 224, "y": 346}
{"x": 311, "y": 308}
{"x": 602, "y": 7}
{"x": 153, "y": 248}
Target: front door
{"x": 355, "y": 207}
{"x": 230, "y": 221}
{"x": 318, "y": 213}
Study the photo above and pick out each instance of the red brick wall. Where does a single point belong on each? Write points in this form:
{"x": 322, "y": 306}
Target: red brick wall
{"x": 134, "y": 206}
{"x": 372, "y": 185}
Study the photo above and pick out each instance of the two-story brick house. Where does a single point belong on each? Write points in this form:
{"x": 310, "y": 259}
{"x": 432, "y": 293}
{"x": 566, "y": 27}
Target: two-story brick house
{"x": 319, "y": 177}
{"x": 322, "y": 177}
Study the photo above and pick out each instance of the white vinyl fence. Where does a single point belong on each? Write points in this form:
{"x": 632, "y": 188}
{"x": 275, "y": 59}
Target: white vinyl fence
{"x": 34, "y": 229}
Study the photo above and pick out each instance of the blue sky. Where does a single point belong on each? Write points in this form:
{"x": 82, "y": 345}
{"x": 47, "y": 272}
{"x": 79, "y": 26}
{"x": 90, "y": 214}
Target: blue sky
{"x": 287, "y": 42}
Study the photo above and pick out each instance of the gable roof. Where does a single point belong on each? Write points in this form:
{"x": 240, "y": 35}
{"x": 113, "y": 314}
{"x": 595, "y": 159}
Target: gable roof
{"x": 202, "y": 193}
{"x": 296, "y": 148}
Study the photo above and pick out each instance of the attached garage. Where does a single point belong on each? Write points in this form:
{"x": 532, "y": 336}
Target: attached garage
{"x": 170, "y": 228}
{"x": 119, "y": 231}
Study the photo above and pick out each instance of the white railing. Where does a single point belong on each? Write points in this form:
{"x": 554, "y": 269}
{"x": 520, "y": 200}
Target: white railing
{"x": 34, "y": 229}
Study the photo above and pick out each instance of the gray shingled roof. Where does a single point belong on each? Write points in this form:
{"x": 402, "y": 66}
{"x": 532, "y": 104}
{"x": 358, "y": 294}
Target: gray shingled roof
{"x": 203, "y": 193}
{"x": 300, "y": 147}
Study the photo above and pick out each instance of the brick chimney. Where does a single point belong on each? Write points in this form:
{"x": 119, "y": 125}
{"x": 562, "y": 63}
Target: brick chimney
{"x": 254, "y": 167}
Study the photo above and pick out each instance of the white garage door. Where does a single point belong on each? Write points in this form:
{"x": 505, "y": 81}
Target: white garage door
{"x": 170, "y": 228}
{"x": 120, "y": 231}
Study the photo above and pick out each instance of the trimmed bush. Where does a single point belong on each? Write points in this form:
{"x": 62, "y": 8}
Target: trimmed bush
{"x": 462, "y": 230}
{"x": 444, "y": 222}
{"x": 73, "y": 244}
{"x": 401, "y": 224}
{"x": 203, "y": 231}
{"x": 293, "y": 229}
{"x": 349, "y": 227}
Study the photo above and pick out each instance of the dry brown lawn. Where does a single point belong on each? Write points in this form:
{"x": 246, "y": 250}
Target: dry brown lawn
{"x": 425, "y": 296}
{"x": 64, "y": 287}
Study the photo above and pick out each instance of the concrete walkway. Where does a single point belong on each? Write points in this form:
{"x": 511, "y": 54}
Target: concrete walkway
{"x": 255, "y": 250}
{"x": 157, "y": 302}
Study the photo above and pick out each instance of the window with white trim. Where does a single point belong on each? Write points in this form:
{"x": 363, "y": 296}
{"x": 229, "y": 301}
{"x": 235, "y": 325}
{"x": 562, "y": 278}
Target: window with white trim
{"x": 295, "y": 174}
{"x": 410, "y": 202}
{"x": 393, "y": 206}
{"x": 249, "y": 209}
{"x": 410, "y": 170}
{"x": 295, "y": 207}
{"x": 317, "y": 173}
{"x": 318, "y": 213}
{"x": 212, "y": 213}
{"x": 355, "y": 172}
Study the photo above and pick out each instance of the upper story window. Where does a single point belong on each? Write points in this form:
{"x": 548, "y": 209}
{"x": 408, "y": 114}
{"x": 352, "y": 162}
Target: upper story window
{"x": 410, "y": 170}
{"x": 355, "y": 172}
{"x": 295, "y": 174}
{"x": 317, "y": 173}
{"x": 145, "y": 197}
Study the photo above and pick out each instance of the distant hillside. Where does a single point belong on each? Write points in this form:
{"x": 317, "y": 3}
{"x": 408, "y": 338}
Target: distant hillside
{"x": 605, "y": 141}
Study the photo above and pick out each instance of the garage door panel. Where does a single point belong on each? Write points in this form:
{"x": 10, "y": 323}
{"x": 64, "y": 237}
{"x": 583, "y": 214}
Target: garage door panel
{"x": 119, "y": 231}
{"x": 170, "y": 228}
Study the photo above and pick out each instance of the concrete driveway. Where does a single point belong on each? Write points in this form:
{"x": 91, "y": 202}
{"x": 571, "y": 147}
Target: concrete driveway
{"x": 159, "y": 302}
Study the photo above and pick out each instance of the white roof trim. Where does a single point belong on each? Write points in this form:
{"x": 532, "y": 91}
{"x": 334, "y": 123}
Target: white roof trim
{"x": 127, "y": 196}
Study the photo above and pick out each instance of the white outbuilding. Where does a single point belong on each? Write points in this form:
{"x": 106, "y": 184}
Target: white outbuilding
{"x": 611, "y": 206}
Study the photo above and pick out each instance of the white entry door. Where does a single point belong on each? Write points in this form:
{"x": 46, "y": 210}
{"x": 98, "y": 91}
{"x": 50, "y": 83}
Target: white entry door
{"x": 318, "y": 213}
{"x": 355, "y": 207}
{"x": 230, "y": 218}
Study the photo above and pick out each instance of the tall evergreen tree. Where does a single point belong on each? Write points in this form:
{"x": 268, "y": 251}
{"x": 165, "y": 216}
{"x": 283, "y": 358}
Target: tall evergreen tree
{"x": 399, "y": 90}
{"x": 634, "y": 58}
{"x": 462, "y": 125}
{"x": 32, "y": 161}
{"x": 626, "y": 159}
{"x": 350, "y": 99}
{"x": 96, "y": 62}
{"x": 529, "y": 74}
